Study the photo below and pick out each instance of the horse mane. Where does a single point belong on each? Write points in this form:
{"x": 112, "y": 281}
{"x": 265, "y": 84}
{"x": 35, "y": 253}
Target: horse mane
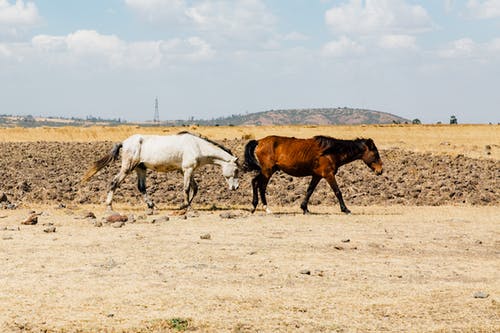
{"x": 227, "y": 150}
{"x": 331, "y": 145}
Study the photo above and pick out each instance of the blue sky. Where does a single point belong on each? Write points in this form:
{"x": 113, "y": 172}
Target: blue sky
{"x": 205, "y": 59}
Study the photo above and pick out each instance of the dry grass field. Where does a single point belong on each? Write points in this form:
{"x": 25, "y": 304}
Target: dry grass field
{"x": 394, "y": 265}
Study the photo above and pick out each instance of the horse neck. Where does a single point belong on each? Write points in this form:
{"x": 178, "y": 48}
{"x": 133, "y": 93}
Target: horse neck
{"x": 356, "y": 154}
{"x": 215, "y": 154}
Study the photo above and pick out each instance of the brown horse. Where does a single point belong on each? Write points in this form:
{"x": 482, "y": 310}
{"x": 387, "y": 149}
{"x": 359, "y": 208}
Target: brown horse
{"x": 319, "y": 157}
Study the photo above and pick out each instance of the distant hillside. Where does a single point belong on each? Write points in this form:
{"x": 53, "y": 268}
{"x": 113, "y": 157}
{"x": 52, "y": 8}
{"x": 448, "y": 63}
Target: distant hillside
{"x": 326, "y": 116}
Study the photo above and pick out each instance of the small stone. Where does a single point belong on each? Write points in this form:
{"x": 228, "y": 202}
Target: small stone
{"x": 305, "y": 271}
{"x": 31, "y": 220}
{"x": 131, "y": 218}
{"x": 118, "y": 224}
{"x": 480, "y": 294}
{"x": 116, "y": 218}
{"x": 98, "y": 224}
{"x": 228, "y": 215}
{"x": 49, "y": 229}
{"x": 89, "y": 215}
{"x": 3, "y": 198}
{"x": 7, "y": 237}
{"x": 161, "y": 219}
{"x": 347, "y": 240}
{"x": 205, "y": 236}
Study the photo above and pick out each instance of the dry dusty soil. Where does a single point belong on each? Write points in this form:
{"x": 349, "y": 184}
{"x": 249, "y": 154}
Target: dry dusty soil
{"x": 420, "y": 253}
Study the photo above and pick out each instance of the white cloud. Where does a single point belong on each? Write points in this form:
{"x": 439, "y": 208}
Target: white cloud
{"x": 378, "y": 16}
{"x": 398, "y": 42}
{"x": 159, "y": 11}
{"x": 242, "y": 18}
{"x": 466, "y": 48}
{"x": 342, "y": 47}
{"x": 90, "y": 48}
{"x": 485, "y": 9}
{"x": 461, "y": 48}
{"x": 15, "y": 17}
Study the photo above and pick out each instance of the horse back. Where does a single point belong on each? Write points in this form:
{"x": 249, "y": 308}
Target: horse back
{"x": 297, "y": 157}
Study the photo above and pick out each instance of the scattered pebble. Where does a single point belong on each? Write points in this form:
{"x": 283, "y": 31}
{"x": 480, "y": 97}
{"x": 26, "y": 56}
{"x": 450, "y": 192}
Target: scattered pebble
{"x": 347, "y": 240}
{"x": 118, "y": 224}
{"x": 89, "y": 215}
{"x": 161, "y": 219}
{"x": 49, "y": 229}
{"x": 116, "y": 218}
{"x": 228, "y": 215}
{"x": 305, "y": 271}
{"x": 98, "y": 224}
{"x": 205, "y": 236}
{"x": 31, "y": 220}
{"x": 480, "y": 294}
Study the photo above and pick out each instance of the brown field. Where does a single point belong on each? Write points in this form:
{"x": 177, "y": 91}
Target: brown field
{"x": 423, "y": 239}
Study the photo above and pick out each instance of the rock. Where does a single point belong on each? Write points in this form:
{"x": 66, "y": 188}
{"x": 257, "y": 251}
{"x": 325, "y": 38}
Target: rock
{"x": 117, "y": 224}
{"x": 49, "y": 229}
{"x": 228, "y": 215}
{"x": 161, "y": 219}
{"x": 305, "y": 272}
{"x": 3, "y": 198}
{"x": 98, "y": 224}
{"x": 31, "y": 220}
{"x": 205, "y": 236}
{"x": 116, "y": 218}
{"x": 480, "y": 294}
{"x": 347, "y": 240}
{"x": 89, "y": 215}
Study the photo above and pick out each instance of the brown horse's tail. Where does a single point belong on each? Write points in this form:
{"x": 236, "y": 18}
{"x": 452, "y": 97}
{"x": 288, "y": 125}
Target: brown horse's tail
{"x": 251, "y": 162}
{"x": 98, "y": 165}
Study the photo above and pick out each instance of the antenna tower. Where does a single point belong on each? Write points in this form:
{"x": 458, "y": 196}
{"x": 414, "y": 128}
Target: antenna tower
{"x": 156, "y": 119}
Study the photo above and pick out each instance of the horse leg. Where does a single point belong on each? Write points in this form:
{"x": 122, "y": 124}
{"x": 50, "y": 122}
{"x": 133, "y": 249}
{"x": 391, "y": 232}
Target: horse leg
{"x": 193, "y": 189}
{"x": 335, "y": 187}
{"x": 262, "y": 189}
{"x": 117, "y": 180}
{"x": 188, "y": 174}
{"x": 141, "y": 185}
{"x": 255, "y": 186}
{"x": 310, "y": 189}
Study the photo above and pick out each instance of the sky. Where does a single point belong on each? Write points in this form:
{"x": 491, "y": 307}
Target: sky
{"x": 206, "y": 59}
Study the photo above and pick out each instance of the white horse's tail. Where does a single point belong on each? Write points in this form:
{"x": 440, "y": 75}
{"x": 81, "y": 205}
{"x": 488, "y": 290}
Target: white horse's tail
{"x": 98, "y": 165}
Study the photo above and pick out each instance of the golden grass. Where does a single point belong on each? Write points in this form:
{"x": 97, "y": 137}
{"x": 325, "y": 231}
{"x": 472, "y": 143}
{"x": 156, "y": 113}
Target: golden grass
{"x": 470, "y": 140}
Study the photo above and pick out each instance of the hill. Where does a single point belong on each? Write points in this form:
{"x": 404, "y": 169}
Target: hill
{"x": 324, "y": 116}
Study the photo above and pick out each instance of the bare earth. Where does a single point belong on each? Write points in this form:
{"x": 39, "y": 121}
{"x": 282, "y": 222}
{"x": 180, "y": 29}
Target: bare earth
{"x": 398, "y": 263}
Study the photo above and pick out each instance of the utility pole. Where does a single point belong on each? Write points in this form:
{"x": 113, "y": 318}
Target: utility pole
{"x": 156, "y": 119}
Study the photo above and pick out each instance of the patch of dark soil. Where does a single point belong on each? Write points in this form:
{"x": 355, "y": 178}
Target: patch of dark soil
{"x": 50, "y": 172}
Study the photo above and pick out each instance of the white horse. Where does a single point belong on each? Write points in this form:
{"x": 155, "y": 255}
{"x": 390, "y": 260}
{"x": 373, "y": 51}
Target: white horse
{"x": 184, "y": 151}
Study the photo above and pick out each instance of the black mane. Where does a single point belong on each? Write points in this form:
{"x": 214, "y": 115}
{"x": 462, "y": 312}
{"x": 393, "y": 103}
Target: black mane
{"x": 227, "y": 150}
{"x": 331, "y": 145}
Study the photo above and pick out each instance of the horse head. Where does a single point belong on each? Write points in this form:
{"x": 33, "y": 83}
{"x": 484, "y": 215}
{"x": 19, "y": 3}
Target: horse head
{"x": 371, "y": 157}
{"x": 230, "y": 171}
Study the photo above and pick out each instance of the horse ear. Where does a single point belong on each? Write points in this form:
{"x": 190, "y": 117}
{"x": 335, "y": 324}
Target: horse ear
{"x": 370, "y": 144}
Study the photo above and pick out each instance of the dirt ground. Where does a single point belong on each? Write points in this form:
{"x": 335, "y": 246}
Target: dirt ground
{"x": 413, "y": 269}
{"x": 420, "y": 253}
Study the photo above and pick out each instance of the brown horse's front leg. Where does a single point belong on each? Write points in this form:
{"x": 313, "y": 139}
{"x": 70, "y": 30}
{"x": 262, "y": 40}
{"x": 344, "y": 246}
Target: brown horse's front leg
{"x": 310, "y": 189}
{"x": 335, "y": 187}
